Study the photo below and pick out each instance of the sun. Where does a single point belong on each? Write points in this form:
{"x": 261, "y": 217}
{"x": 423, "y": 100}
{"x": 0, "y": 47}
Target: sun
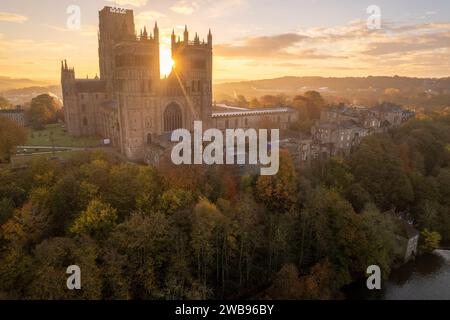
{"x": 166, "y": 62}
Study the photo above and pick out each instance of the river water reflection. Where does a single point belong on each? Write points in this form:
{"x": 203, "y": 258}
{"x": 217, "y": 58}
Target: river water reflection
{"x": 426, "y": 278}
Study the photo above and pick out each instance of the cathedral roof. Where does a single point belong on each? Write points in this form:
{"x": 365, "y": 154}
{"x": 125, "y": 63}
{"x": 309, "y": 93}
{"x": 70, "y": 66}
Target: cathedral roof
{"x": 252, "y": 112}
{"x": 90, "y": 85}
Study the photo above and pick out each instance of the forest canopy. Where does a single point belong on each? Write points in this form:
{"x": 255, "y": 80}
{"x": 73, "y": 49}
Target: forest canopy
{"x": 195, "y": 233}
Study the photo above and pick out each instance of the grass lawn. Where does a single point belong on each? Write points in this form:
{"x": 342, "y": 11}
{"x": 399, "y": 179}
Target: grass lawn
{"x": 41, "y": 138}
{"x": 21, "y": 160}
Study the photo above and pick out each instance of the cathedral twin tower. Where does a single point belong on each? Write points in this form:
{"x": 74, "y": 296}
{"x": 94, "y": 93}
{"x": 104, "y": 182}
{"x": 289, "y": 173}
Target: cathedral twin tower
{"x": 130, "y": 106}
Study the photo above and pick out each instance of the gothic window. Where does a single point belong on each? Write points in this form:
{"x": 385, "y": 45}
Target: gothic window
{"x": 172, "y": 117}
{"x": 193, "y": 86}
{"x": 149, "y": 138}
{"x": 83, "y": 108}
{"x": 246, "y": 122}
{"x": 85, "y": 121}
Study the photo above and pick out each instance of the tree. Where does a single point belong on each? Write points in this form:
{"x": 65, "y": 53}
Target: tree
{"x": 175, "y": 199}
{"x": 270, "y": 101}
{"x": 38, "y": 116}
{"x": 136, "y": 256}
{"x": 309, "y": 105}
{"x": 278, "y": 192}
{"x": 206, "y": 222}
{"x": 430, "y": 240}
{"x": 43, "y": 110}
{"x": 97, "y": 220}
{"x": 11, "y": 135}
{"x": 254, "y": 103}
{"x": 4, "y": 103}
{"x": 51, "y": 259}
{"x": 377, "y": 166}
{"x": 286, "y": 284}
{"x": 241, "y": 101}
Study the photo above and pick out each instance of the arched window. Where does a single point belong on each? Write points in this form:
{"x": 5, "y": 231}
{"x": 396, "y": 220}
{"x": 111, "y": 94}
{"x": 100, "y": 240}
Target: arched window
{"x": 172, "y": 117}
{"x": 149, "y": 138}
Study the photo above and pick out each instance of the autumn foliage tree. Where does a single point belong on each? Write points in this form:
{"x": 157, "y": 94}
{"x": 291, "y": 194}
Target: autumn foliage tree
{"x": 11, "y": 135}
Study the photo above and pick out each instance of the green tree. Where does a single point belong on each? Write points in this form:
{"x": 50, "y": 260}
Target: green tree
{"x": 51, "y": 259}
{"x": 206, "y": 222}
{"x": 97, "y": 220}
{"x": 378, "y": 167}
{"x": 430, "y": 240}
{"x": 136, "y": 256}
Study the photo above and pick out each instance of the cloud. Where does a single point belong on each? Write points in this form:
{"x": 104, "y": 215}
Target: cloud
{"x": 12, "y": 17}
{"x": 225, "y": 7}
{"x": 135, "y": 3}
{"x": 420, "y": 49}
{"x": 148, "y": 18}
{"x": 86, "y": 31}
{"x": 150, "y": 15}
{"x": 412, "y": 39}
{"x": 260, "y": 46}
{"x": 184, "y": 7}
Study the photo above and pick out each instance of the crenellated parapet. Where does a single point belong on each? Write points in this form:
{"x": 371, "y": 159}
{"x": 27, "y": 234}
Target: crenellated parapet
{"x": 178, "y": 43}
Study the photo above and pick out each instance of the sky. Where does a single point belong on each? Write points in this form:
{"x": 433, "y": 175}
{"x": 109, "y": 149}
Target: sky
{"x": 253, "y": 39}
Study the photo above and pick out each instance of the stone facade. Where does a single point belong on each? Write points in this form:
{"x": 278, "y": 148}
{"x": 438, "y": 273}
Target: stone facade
{"x": 225, "y": 117}
{"x": 341, "y": 129}
{"x": 129, "y": 103}
{"x": 17, "y": 115}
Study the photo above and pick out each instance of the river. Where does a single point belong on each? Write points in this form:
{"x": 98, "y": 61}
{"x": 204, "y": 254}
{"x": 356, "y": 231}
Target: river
{"x": 425, "y": 278}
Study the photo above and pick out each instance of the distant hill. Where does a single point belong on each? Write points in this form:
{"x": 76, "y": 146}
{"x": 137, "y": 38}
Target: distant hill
{"x": 21, "y": 91}
{"x": 367, "y": 88}
{"x": 8, "y": 83}
{"x": 404, "y": 90}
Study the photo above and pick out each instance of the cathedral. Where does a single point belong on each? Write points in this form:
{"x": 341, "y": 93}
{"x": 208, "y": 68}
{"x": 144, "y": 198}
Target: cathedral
{"x": 130, "y": 106}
